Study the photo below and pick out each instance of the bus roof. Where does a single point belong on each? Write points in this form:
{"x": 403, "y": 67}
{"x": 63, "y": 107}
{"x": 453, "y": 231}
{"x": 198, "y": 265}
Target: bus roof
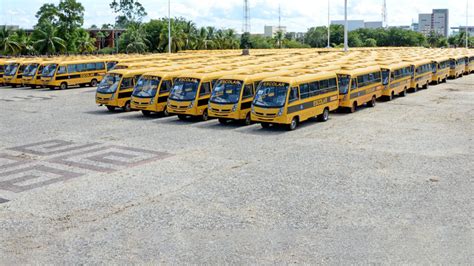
{"x": 132, "y": 72}
{"x": 302, "y": 78}
{"x": 358, "y": 71}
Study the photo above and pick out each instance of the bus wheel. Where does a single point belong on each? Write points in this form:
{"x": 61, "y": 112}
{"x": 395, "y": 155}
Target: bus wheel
{"x": 265, "y": 125}
{"x": 63, "y": 86}
{"x": 416, "y": 88}
{"x": 248, "y": 120}
{"x": 111, "y": 108}
{"x": 94, "y": 83}
{"x": 205, "y": 116}
{"x": 324, "y": 116}
{"x": 372, "y": 102}
{"x": 293, "y": 125}
{"x": 182, "y": 117}
{"x": 126, "y": 107}
{"x": 146, "y": 113}
{"x": 404, "y": 92}
{"x": 165, "y": 112}
{"x": 439, "y": 81}
{"x": 390, "y": 97}
{"x": 354, "y": 107}
{"x": 33, "y": 86}
{"x": 223, "y": 121}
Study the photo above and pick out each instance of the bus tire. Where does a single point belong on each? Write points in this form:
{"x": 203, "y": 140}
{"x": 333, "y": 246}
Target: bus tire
{"x": 415, "y": 89}
{"x": 182, "y": 117}
{"x": 353, "y": 109}
{"x": 390, "y": 97}
{"x": 165, "y": 112}
{"x": 265, "y": 125}
{"x": 372, "y": 102}
{"x": 324, "y": 116}
{"x": 127, "y": 107}
{"x": 205, "y": 115}
{"x": 146, "y": 113}
{"x": 248, "y": 120}
{"x": 223, "y": 121}
{"x": 110, "y": 108}
{"x": 293, "y": 125}
{"x": 63, "y": 86}
{"x": 93, "y": 83}
{"x": 404, "y": 92}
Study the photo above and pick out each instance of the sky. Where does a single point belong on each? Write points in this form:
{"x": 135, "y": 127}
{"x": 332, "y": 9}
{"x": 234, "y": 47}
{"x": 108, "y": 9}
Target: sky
{"x": 297, "y": 15}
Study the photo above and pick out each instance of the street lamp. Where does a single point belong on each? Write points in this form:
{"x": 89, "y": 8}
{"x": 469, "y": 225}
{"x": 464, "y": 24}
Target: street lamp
{"x": 346, "y": 46}
{"x": 467, "y": 21}
{"x": 329, "y": 24}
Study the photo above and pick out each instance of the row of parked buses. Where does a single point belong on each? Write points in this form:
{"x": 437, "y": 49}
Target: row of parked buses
{"x": 269, "y": 87}
{"x": 277, "y": 89}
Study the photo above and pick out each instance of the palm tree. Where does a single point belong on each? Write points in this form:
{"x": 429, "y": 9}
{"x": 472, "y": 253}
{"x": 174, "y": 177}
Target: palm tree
{"x": 85, "y": 43}
{"x": 136, "y": 39}
{"x": 8, "y": 44}
{"x": 279, "y": 36}
{"x": 25, "y": 41}
{"x": 189, "y": 30}
{"x": 47, "y": 40}
{"x": 178, "y": 39}
{"x": 201, "y": 39}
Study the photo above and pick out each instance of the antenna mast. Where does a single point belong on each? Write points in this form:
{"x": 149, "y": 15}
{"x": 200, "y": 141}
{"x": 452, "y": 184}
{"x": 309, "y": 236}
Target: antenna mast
{"x": 246, "y": 24}
{"x": 384, "y": 14}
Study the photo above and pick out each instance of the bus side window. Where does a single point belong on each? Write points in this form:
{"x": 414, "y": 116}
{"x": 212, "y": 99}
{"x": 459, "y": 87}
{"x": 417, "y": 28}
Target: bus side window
{"x": 294, "y": 95}
{"x": 62, "y": 70}
{"x": 165, "y": 86}
{"x": 205, "y": 89}
{"x": 248, "y": 91}
{"x": 354, "y": 84}
{"x": 127, "y": 83}
{"x": 100, "y": 66}
{"x": 71, "y": 68}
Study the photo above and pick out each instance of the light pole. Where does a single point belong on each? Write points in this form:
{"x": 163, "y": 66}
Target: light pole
{"x": 329, "y": 24}
{"x": 467, "y": 21}
{"x": 169, "y": 26}
{"x": 346, "y": 46}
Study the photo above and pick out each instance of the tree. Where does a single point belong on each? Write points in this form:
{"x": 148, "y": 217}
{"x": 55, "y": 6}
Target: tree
{"x": 25, "y": 42}
{"x": 370, "y": 42}
{"x": 84, "y": 42}
{"x": 279, "y": 36}
{"x": 129, "y": 11}
{"x": 245, "y": 41}
{"x": 134, "y": 40}
{"x": 47, "y": 40}
{"x": 8, "y": 43}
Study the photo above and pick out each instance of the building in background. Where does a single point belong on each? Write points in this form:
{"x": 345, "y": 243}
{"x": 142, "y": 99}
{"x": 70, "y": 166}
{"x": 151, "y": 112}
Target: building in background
{"x": 359, "y": 24}
{"x": 415, "y": 26}
{"x": 373, "y": 24}
{"x": 270, "y": 31}
{"x": 437, "y": 22}
{"x": 458, "y": 30}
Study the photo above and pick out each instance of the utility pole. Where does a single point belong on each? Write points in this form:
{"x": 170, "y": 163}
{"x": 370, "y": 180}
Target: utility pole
{"x": 467, "y": 23}
{"x": 246, "y": 23}
{"x": 384, "y": 14}
{"x": 169, "y": 26}
{"x": 346, "y": 24}
{"x": 329, "y": 24}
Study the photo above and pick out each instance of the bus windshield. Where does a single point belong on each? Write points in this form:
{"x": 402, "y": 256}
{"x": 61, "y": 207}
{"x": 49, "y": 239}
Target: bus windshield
{"x": 385, "y": 76}
{"x": 49, "y": 70}
{"x": 109, "y": 84}
{"x": 11, "y": 69}
{"x": 146, "y": 87}
{"x": 30, "y": 70}
{"x": 226, "y": 91}
{"x": 271, "y": 94}
{"x": 343, "y": 83}
{"x": 184, "y": 89}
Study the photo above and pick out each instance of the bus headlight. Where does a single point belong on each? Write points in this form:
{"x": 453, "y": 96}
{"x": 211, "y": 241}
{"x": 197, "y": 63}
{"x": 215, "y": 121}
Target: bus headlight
{"x": 234, "y": 108}
{"x": 152, "y": 100}
{"x": 280, "y": 112}
{"x": 253, "y": 109}
{"x": 191, "y": 105}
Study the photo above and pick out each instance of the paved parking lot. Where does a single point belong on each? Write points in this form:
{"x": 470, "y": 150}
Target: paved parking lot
{"x": 390, "y": 184}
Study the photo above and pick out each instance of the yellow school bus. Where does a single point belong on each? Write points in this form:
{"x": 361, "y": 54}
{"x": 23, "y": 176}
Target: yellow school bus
{"x": 2, "y": 71}
{"x": 440, "y": 69}
{"x": 359, "y": 86}
{"x": 232, "y": 97}
{"x": 32, "y": 74}
{"x": 151, "y": 92}
{"x": 457, "y": 66}
{"x": 115, "y": 90}
{"x": 290, "y": 100}
{"x": 62, "y": 74}
{"x": 13, "y": 73}
{"x": 190, "y": 94}
{"x": 396, "y": 79}
{"x": 422, "y": 74}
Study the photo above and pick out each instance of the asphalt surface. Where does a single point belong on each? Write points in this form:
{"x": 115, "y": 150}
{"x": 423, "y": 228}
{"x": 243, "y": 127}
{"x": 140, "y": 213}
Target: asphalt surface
{"x": 390, "y": 184}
